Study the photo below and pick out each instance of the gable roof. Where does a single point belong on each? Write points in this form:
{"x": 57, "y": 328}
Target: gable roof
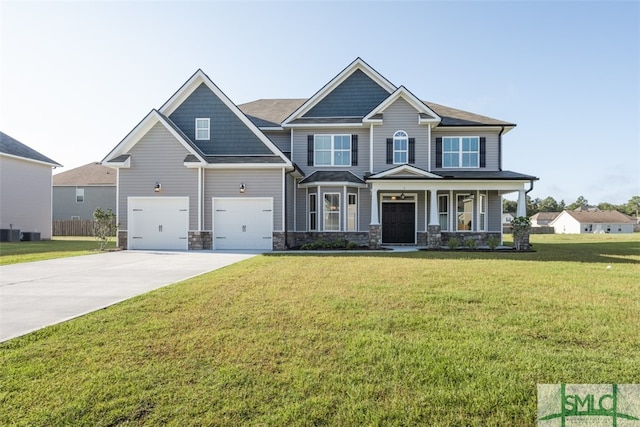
{"x": 117, "y": 155}
{"x": 404, "y": 171}
{"x": 596, "y": 217}
{"x": 90, "y": 174}
{"x": 272, "y": 112}
{"x": 362, "y": 85}
{"x": 332, "y": 178}
{"x": 545, "y": 216}
{"x": 425, "y": 114}
{"x": 13, "y": 148}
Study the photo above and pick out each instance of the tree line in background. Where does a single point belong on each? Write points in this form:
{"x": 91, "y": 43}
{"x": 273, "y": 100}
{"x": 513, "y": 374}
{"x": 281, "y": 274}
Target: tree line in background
{"x": 549, "y": 204}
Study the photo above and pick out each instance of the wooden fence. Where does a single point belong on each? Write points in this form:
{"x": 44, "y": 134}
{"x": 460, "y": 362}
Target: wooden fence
{"x": 74, "y": 227}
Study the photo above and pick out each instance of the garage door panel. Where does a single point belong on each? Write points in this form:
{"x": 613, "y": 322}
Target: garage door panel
{"x": 243, "y": 223}
{"x": 158, "y": 223}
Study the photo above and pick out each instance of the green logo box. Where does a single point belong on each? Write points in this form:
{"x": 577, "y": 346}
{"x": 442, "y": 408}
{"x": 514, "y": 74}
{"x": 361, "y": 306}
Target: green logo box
{"x": 573, "y": 405}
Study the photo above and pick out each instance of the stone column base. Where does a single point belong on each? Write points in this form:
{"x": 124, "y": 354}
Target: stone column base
{"x": 434, "y": 236}
{"x": 375, "y": 236}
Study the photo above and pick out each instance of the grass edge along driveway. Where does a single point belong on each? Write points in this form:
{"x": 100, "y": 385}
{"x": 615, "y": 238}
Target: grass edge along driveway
{"x": 342, "y": 339}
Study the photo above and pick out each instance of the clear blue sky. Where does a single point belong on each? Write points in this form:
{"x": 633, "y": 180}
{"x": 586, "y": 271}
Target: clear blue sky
{"x": 76, "y": 77}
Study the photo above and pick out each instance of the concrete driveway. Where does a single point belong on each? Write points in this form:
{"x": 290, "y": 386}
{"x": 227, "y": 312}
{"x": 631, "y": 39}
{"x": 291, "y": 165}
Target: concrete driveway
{"x": 37, "y": 294}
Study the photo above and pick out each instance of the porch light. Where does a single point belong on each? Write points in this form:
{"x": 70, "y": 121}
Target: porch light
{"x": 242, "y": 188}
{"x": 158, "y": 187}
{"x": 402, "y": 196}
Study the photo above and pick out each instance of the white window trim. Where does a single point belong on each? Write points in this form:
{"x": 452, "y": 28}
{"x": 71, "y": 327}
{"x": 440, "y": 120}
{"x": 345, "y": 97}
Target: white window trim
{"x": 325, "y": 213}
{"x": 80, "y": 193}
{"x": 355, "y": 225}
{"x": 482, "y": 212}
{"x": 332, "y": 150}
{"x": 208, "y": 128}
{"x": 445, "y": 212}
{"x": 464, "y": 212}
{"x": 460, "y": 152}
{"x": 312, "y": 208}
{"x": 396, "y": 137}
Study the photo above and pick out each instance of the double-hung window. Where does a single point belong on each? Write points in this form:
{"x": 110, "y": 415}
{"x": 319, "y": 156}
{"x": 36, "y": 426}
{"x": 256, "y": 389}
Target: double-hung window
{"x": 352, "y": 212}
{"x": 202, "y": 129}
{"x": 313, "y": 213}
{"x": 332, "y": 150}
{"x": 400, "y": 147}
{"x": 331, "y": 211}
{"x": 443, "y": 211}
{"x": 464, "y": 212}
{"x": 79, "y": 195}
{"x": 482, "y": 208}
{"x": 460, "y": 152}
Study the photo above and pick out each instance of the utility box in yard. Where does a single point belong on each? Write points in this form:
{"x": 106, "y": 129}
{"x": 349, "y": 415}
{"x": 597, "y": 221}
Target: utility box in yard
{"x": 30, "y": 236}
{"x": 9, "y": 235}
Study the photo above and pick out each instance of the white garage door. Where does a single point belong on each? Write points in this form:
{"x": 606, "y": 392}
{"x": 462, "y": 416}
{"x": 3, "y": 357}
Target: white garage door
{"x": 158, "y": 222}
{"x": 245, "y": 223}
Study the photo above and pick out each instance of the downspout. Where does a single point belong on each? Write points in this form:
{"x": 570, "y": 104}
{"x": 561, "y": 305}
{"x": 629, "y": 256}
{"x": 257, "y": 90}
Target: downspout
{"x": 500, "y": 148}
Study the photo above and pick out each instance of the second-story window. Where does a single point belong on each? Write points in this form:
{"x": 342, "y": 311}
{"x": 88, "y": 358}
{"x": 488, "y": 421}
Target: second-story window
{"x": 332, "y": 150}
{"x": 460, "y": 152}
{"x": 202, "y": 129}
{"x": 400, "y": 147}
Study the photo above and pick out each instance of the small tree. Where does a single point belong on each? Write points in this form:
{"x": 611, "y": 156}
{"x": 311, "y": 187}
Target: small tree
{"x": 520, "y": 228}
{"x": 104, "y": 226}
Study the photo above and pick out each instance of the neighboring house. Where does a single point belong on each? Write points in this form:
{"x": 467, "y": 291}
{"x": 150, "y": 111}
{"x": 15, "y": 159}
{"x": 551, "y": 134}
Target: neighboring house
{"x": 507, "y": 218}
{"x": 542, "y": 219}
{"x": 78, "y": 192}
{"x": 25, "y": 189}
{"x": 362, "y": 159}
{"x": 580, "y": 222}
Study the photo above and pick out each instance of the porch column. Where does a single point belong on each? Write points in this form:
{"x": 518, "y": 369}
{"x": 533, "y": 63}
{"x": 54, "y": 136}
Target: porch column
{"x": 374, "y": 207}
{"x": 433, "y": 208}
{"x": 522, "y": 203}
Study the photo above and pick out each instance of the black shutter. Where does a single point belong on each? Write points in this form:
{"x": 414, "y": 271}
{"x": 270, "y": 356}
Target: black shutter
{"x": 412, "y": 150}
{"x": 439, "y": 152}
{"x": 309, "y": 150}
{"x": 389, "y": 151}
{"x": 483, "y": 152}
{"x": 354, "y": 150}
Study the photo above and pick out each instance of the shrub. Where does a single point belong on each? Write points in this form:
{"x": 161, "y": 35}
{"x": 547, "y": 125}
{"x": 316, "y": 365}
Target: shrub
{"x": 493, "y": 243}
{"x": 453, "y": 243}
{"x": 471, "y": 243}
{"x": 520, "y": 228}
{"x": 104, "y": 226}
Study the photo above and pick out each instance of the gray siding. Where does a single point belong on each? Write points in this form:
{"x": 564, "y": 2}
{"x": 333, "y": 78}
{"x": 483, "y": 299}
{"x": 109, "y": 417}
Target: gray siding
{"x": 25, "y": 196}
{"x": 158, "y": 157}
{"x": 228, "y": 136}
{"x": 364, "y": 206}
{"x": 65, "y": 205}
{"x": 492, "y": 147}
{"x": 282, "y": 140}
{"x": 300, "y": 150}
{"x": 400, "y": 116}
{"x": 290, "y": 183}
{"x": 258, "y": 183}
{"x": 302, "y": 208}
{"x": 356, "y": 96}
{"x": 494, "y": 211}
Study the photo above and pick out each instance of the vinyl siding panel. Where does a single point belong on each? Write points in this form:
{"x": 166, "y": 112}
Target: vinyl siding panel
{"x": 492, "y": 148}
{"x": 258, "y": 183}
{"x": 282, "y": 140}
{"x": 158, "y": 157}
{"x": 228, "y": 134}
{"x": 25, "y": 196}
{"x": 400, "y": 116}
{"x": 494, "y": 211}
{"x": 65, "y": 205}
{"x": 300, "y": 150}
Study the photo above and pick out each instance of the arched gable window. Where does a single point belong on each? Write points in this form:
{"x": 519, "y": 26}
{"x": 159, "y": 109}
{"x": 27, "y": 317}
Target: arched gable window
{"x": 400, "y": 147}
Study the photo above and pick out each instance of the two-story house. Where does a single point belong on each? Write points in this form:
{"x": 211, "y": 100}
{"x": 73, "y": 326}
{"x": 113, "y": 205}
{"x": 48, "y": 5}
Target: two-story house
{"x": 362, "y": 159}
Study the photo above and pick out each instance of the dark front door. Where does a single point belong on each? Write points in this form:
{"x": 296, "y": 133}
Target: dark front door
{"x": 398, "y": 223}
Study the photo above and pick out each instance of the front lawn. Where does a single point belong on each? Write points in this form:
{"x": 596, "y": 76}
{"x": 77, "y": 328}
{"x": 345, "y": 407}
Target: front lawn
{"x": 413, "y": 338}
{"x": 58, "y": 247}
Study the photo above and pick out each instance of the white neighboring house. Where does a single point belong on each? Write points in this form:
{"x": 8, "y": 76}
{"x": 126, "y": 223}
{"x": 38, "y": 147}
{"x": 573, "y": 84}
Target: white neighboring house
{"x": 585, "y": 222}
{"x": 507, "y": 217}
{"x": 25, "y": 189}
{"x": 543, "y": 219}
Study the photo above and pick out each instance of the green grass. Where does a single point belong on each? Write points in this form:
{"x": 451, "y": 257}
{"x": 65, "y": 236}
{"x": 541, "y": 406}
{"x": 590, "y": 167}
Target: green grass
{"x": 422, "y": 338}
{"x": 58, "y": 247}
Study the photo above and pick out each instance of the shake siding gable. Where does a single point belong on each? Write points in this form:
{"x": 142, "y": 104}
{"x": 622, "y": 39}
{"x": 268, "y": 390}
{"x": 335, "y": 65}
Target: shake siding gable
{"x": 228, "y": 134}
{"x": 355, "y": 97}
{"x": 158, "y": 157}
{"x": 258, "y": 183}
{"x": 400, "y": 116}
